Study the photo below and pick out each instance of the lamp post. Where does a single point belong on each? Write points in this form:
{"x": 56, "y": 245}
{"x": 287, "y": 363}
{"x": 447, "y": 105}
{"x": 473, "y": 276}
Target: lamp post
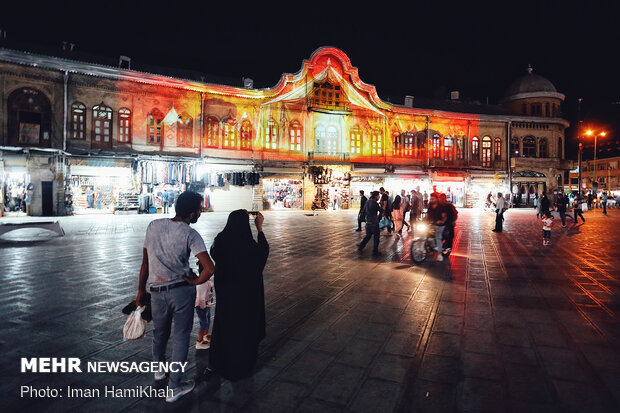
{"x": 590, "y": 133}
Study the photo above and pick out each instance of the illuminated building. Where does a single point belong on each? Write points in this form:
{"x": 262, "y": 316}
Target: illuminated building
{"x": 321, "y": 132}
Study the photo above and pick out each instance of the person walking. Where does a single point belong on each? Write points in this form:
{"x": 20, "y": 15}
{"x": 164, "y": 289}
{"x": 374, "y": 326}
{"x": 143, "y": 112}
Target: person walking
{"x": 239, "y": 324}
{"x": 165, "y": 197}
{"x": 437, "y": 216}
{"x": 361, "y": 215}
{"x": 500, "y": 205}
{"x": 404, "y": 207}
{"x": 452, "y": 216}
{"x": 165, "y": 272}
{"x": 545, "y": 204}
{"x": 414, "y": 206}
{"x": 561, "y": 204}
{"x": 373, "y": 214}
{"x": 577, "y": 210}
{"x": 547, "y": 221}
{"x": 397, "y": 215}
{"x": 604, "y": 203}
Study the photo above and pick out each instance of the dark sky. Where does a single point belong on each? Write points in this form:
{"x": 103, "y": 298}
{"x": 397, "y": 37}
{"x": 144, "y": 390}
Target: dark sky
{"x": 424, "y": 49}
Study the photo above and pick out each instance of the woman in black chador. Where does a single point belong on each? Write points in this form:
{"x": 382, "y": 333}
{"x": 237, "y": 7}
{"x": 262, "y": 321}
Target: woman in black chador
{"x": 240, "y": 299}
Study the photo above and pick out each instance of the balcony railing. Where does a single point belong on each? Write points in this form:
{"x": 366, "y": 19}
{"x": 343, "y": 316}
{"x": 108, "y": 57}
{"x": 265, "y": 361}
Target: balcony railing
{"x": 328, "y": 156}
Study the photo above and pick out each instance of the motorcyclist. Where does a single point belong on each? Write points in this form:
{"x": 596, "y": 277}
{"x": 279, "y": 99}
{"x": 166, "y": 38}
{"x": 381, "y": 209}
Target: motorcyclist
{"x": 452, "y": 215}
{"x": 437, "y": 216}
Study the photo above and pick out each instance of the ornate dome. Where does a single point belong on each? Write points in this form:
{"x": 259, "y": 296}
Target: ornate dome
{"x": 530, "y": 83}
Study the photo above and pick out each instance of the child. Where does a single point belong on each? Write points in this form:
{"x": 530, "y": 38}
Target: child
{"x": 546, "y": 231}
{"x": 204, "y": 299}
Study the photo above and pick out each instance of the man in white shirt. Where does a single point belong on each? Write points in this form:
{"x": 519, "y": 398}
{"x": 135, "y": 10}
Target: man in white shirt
{"x": 499, "y": 212}
{"x": 165, "y": 272}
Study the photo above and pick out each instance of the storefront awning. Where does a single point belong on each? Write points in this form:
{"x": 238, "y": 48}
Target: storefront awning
{"x": 86, "y": 170}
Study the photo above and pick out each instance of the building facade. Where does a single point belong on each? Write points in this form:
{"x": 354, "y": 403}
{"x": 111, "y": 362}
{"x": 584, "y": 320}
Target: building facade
{"x": 115, "y": 139}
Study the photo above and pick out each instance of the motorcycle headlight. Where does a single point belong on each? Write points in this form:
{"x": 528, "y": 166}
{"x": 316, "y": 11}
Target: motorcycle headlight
{"x": 421, "y": 227}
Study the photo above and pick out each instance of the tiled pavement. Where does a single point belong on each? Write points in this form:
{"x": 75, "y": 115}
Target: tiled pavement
{"x": 506, "y": 326}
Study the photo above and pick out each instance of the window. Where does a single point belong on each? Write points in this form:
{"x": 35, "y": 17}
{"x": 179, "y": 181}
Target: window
{"x": 408, "y": 143}
{"x": 475, "y": 148}
{"x": 77, "y": 128}
{"x": 514, "y": 146}
{"x": 436, "y": 146}
{"x": 271, "y": 134}
{"x": 460, "y": 147}
{"x": 229, "y": 138}
{"x": 212, "y": 130}
{"x": 448, "y": 148}
{"x": 486, "y": 151}
{"x": 397, "y": 144}
{"x": 124, "y": 125}
{"x": 497, "y": 150}
{"x": 319, "y": 135}
{"x": 328, "y": 96}
{"x": 529, "y": 147}
{"x": 420, "y": 141}
{"x": 155, "y": 126}
{"x": 547, "y": 110}
{"x": 524, "y": 108}
{"x": 332, "y": 139}
{"x": 295, "y": 136}
{"x": 376, "y": 142}
{"x": 185, "y": 128}
{"x": 355, "y": 139}
{"x": 247, "y": 134}
{"x": 102, "y": 125}
{"x": 29, "y": 118}
{"x": 542, "y": 148}
{"x": 560, "y": 149}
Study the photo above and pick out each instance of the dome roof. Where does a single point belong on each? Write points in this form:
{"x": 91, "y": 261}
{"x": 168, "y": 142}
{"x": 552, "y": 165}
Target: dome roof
{"x": 530, "y": 83}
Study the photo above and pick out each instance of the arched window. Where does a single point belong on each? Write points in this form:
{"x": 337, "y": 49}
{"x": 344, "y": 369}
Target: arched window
{"x": 436, "y": 145}
{"x": 475, "y": 148}
{"x": 319, "y": 135}
{"x": 29, "y": 118}
{"x": 397, "y": 144}
{"x": 77, "y": 127}
{"x": 355, "y": 139}
{"x": 448, "y": 148}
{"x": 460, "y": 147}
{"x": 229, "y": 138}
{"x": 529, "y": 147}
{"x": 332, "y": 139}
{"x": 497, "y": 150}
{"x": 560, "y": 149}
{"x": 328, "y": 96}
{"x": 124, "y": 125}
{"x": 376, "y": 142}
{"x": 514, "y": 146}
{"x": 155, "y": 126}
{"x": 420, "y": 144}
{"x": 486, "y": 151}
{"x": 247, "y": 134}
{"x": 185, "y": 128}
{"x": 408, "y": 143}
{"x": 295, "y": 136}
{"x": 102, "y": 125}
{"x": 271, "y": 134}
{"x": 542, "y": 148}
{"x": 212, "y": 130}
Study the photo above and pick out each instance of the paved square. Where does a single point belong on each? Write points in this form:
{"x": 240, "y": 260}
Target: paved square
{"x": 505, "y": 325}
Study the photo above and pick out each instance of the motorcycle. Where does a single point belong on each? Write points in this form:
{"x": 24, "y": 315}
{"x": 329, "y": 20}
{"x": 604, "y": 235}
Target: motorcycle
{"x": 424, "y": 243}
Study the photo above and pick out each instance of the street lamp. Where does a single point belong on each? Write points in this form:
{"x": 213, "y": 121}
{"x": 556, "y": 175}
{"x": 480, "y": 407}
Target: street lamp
{"x": 590, "y": 133}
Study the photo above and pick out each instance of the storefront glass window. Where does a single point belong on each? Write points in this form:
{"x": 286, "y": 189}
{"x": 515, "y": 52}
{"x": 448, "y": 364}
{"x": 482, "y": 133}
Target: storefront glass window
{"x": 78, "y": 121}
{"x": 124, "y": 125}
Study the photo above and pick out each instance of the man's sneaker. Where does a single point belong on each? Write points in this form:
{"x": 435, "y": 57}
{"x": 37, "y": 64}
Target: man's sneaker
{"x": 439, "y": 257}
{"x": 160, "y": 376}
{"x": 377, "y": 253}
{"x": 180, "y": 391}
{"x": 358, "y": 230}
{"x": 202, "y": 345}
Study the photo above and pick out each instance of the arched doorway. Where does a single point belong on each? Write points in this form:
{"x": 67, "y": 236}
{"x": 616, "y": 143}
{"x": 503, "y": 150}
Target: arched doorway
{"x": 29, "y": 118}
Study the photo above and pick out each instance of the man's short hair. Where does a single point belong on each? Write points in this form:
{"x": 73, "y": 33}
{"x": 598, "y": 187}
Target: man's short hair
{"x": 361, "y": 191}
{"x": 187, "y": 203}
{"x": 374, "y": 193}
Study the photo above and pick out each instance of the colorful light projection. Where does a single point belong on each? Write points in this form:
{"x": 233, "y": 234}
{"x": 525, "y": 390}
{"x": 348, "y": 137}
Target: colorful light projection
{"x": 323, "y": 112}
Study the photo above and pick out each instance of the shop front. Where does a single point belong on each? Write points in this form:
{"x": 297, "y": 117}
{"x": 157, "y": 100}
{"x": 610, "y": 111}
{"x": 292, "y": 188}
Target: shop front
{"x": 283, "y": 193}
{"x": 98, "y": 186}
{"x": 327, "y": 187}
{"x": 395, "y": 183}
{"x": 228, "y": 187}
{"x": 481, "y": 185}
{"x": 453, "y": 184}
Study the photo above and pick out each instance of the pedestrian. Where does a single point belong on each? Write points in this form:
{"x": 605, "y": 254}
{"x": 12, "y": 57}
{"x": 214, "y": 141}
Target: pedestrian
{"x": 545, "y": 204}
{"x": 385, "y": 204}
{"x": 500, "y": 206}
{"x": 388, "y": 212}
{"x": 547, "y": 221}
{"x": 361, "y": 215}
{"x": 98, "y": 199}
{"x": 425, "y": 199}
{"x": 452, "y": 216}
{"x": 239, "y": 324}
{"x": 414, "y": 207}
{"x": 166, "y": 274}
{"x": 577, "y": 210}
{"x": 604, "y": 203}
{"x": 404, "y": 207}
{"x": 90, "y": 200}
{"x": 204, "y": 301}
{"x": 561, "y": 204}
{"x": 27, "y": 201}
{"x": 436, "y": 216}
{"x": 165, "y": 196}
{"x": 397, "y": 215}
{"x": 590, "y": 199}
{"x": 373, "y": 214}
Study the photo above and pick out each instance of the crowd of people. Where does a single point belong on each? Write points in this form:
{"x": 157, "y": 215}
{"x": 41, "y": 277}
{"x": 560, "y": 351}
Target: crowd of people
{"x": 381, "y": 211}
{"x": 176, "y": 292}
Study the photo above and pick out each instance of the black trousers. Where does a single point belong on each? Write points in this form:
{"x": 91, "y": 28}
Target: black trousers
{"x": 372, "y": 230}
{"x": 499, "y": 218}
{"x": 604, "y": 207}
{"x": 448, "y": 236}
{"x": 580, "y": 213}
{"x": 360, "y": 219}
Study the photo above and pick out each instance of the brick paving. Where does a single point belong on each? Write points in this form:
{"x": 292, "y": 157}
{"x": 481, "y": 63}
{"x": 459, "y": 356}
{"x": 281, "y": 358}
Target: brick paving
{"x": 506, "y": 325}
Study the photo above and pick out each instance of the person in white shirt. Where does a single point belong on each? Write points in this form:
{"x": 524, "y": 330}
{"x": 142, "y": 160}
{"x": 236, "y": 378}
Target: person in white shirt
{"x": 500, "y": 205}
{"x": 547, "y": 221}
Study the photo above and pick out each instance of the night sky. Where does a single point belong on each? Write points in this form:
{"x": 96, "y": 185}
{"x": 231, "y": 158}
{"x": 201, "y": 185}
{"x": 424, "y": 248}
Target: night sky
{"x": 424, "y": 49}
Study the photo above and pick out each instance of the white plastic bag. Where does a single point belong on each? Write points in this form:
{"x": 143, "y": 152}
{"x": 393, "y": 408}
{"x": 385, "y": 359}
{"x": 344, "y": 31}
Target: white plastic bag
{"x": 135, "y": 325}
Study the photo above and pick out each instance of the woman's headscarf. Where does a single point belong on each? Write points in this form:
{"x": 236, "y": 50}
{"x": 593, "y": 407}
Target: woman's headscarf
{"x": 237, "y": 231}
